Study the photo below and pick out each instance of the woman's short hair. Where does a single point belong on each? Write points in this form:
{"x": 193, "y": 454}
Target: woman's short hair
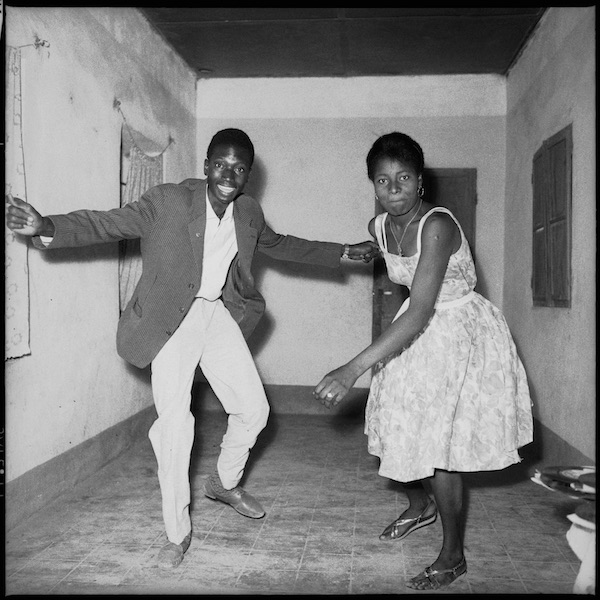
{"x": 396, "y": 146}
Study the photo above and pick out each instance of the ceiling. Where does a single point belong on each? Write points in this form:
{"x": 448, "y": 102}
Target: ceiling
{"x": 345, "y": 42}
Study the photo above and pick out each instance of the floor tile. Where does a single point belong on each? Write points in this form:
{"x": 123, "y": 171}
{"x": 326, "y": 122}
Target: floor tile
{"x": 274, "y": 541}
{"x": 263, "y": 581}
{"x": 546, "y": 570}
{"x": 391, "y": 564}
{"x": 378, "y": 583}
{"x": 322, "y": 562}
{"x": 326, "y": 506}
{"x": 498, "y": 586}
{"x": 277, "y": 561}
{"x": 322, "y": 583}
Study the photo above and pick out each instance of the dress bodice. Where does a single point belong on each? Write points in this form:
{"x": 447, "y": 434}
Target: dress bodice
{"x": 460, "y": 277}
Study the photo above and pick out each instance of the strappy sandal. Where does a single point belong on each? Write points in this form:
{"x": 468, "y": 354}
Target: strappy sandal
{"x": 391, "y": 532}
{"x": 430, "y": 577}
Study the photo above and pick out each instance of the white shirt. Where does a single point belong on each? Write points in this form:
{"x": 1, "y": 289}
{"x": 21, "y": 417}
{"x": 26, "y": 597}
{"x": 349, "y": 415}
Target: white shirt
{"x": 220, "y": 248}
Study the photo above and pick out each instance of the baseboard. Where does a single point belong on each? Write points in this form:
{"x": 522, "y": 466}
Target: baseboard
{"x": 548, "y": 448}
{"x": 26, "y": 494}
{"x": 287, "y": 399}
{"x": 33, "y": 490}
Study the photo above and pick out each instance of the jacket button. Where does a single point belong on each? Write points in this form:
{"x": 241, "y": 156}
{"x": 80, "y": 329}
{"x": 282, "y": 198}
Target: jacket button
{"x": 169, "y": 332}
{"x": 191, "y": 286}
{"x": 182, "y": 309}
{"x": 198, "y": 234}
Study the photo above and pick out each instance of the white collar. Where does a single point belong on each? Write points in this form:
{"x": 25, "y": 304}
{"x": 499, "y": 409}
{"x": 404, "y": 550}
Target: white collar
{"x": 210, "y": 211}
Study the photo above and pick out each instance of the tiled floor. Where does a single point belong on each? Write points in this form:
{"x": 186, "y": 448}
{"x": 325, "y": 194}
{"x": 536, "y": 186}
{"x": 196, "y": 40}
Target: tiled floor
{"x": 326, "y": 506}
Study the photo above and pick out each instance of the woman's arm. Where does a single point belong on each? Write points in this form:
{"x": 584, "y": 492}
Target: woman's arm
{"x": 371, "y": 227}
{"x": 440, "y": 238}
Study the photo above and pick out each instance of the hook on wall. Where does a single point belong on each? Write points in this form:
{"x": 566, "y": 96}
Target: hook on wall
{"x": 38, "y": 42}
{"x": 117, "y": 106}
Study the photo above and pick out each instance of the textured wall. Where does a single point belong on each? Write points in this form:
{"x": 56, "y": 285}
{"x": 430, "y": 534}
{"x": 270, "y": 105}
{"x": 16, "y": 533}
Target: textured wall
{"x": 312, "y": 137}
{"x": 73, "y": 385}
{"x": 553, "y": 85}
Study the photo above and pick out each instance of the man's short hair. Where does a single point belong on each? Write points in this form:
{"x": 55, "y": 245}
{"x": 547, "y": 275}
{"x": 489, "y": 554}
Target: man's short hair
{"x": 231, "y": 137}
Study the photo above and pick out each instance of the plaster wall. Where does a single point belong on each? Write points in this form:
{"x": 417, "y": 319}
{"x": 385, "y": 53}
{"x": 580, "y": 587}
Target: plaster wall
{"x": 552, "y": 86}
{"x": 311, "y": 138}
{"x": 73, "y": 385}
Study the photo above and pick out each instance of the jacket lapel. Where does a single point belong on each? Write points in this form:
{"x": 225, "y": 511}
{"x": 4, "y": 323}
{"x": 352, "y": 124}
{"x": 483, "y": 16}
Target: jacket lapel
{"x": 197, "y": 225}
{"x": 246, "y": 235}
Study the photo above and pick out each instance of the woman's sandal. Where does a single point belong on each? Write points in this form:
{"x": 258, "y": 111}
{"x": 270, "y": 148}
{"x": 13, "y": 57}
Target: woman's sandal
{"x": 431, "y": 577}
{"x": 391, "y": 532}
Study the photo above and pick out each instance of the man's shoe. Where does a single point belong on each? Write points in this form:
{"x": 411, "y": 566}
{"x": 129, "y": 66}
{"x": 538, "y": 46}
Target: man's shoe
{"x": 237, "y": 498}
{"x": 171, "y": 555}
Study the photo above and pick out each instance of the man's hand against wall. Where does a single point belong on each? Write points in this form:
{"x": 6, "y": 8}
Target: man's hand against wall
{"x": 23, "y": 219}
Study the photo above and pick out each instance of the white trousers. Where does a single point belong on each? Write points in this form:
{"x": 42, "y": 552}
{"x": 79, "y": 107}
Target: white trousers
{"x": 208, "y": 336}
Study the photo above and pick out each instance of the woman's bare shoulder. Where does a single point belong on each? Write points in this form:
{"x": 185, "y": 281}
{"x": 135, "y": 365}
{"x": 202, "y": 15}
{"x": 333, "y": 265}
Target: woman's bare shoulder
{"x": 371, "y": 226}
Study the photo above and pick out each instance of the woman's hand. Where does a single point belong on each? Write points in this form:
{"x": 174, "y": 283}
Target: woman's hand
{"x": 335, "y": 386}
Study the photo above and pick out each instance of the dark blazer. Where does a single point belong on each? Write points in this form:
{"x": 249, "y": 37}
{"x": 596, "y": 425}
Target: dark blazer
{"x": 170, "y": 221}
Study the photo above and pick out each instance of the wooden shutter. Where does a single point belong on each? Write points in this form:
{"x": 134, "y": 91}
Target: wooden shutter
{"x": 540, "y": 269}
{"x": 551, "y": 278}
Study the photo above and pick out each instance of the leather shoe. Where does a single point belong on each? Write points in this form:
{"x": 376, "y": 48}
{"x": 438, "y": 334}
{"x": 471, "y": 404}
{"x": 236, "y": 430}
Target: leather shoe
{"x": 237, "y": 498}
{"x": 171, "y": 555}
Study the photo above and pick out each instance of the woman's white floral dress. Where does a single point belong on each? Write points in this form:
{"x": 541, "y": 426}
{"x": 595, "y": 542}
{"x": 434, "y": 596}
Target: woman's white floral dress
{"x": 457, "y": 397}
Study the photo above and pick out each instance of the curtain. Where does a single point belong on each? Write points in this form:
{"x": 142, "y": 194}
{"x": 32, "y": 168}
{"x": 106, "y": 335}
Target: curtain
{"x": 144, "y": 172}
{"x": 16, "y": 273}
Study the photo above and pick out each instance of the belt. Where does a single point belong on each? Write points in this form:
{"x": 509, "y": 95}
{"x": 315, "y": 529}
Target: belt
{"x": 440, "y": 305}
{"x": 457, "y": 302}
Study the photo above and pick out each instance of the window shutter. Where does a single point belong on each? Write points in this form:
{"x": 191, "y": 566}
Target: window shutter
{"x": 540, "y": 269}
{"x": 551, "y": 235}
{"x": 558, "y": 223}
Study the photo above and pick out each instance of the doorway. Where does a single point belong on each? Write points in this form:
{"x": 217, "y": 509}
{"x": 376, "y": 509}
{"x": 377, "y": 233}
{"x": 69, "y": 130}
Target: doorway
{"x": 455, "y": 189}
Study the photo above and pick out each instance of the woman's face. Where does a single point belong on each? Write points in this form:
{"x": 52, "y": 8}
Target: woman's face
{"x": 396, "y": 184}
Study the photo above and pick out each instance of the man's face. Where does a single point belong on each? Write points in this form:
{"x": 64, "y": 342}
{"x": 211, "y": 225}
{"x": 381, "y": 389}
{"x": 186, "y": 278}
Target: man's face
{"x": 227, "y": 170}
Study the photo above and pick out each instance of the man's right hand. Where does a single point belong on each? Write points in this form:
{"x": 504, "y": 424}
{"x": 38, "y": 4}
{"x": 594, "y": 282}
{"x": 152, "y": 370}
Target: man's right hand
{"x": 23, "y": 219}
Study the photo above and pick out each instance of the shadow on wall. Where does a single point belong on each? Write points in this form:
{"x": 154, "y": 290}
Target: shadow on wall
{"x": 141, "y": 375}
{"x": 257, "y": 182}
{"x": 97, "y": 253}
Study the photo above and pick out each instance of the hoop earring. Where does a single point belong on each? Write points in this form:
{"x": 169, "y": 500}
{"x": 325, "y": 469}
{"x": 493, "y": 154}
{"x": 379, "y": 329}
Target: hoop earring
{"x": 421, "y": 191}
{"x": 376, "y": 197}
